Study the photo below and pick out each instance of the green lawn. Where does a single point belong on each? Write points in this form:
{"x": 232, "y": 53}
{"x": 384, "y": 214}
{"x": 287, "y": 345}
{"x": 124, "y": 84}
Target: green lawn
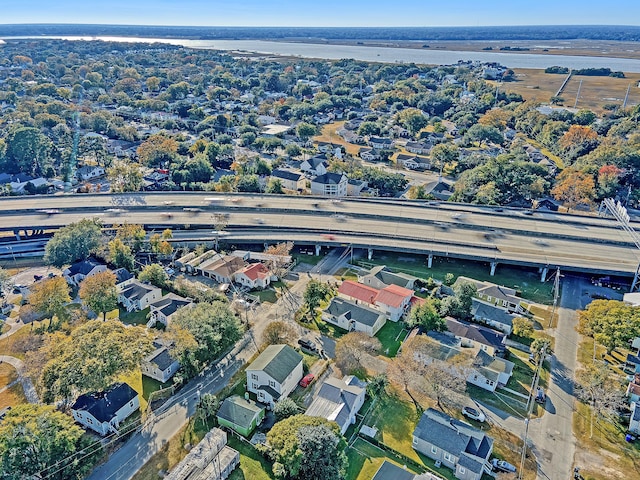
{"x": 525, "y": 281}
{"x": 391, "y": 336}
{"x": 134, "y": 318}
{"x": 267, "y": 295}
{"x": 308, "y": 259}
{"x": 365, "y": 460}
{"x": 253, "y": 466}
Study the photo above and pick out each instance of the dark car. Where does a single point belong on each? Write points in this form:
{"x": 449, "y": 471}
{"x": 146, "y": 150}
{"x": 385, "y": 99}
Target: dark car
{"x": 308, "y": 344}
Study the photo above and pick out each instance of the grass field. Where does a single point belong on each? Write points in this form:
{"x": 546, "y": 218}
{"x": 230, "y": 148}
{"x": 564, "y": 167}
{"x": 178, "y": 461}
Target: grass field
{"x": 14, "y": 395}
{"x": 7, "y": 345}
{"x": 134, "y": 318}
{"x": 595, "y": 92}
{"x": 365, "y": 460}
{"x": 328, "y": 134}
{"x": 391, "y": 336}
{"x": 253, "y": 466}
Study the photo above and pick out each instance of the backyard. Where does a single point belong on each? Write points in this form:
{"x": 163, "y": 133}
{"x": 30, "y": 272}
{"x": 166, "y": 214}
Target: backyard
{"x": 391, "y": 337}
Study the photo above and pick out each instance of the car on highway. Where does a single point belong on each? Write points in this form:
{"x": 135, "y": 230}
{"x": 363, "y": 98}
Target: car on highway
{"x": 116, "y": 211}
{"x": 50, "y": 211}
{"x": 339, "y": 217}
{"x": 502, "y": 466}
{"x": 457, "y": 216}
{"x": 474, "y": 414}
{"x": 306, "y": 380}
{"x": 308, "y": 344}
{"x": 259, "y": 221}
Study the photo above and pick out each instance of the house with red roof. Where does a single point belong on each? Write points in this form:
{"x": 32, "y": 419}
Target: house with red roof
{"x": 392, "y": 300}
{"x": 253, "y": 276}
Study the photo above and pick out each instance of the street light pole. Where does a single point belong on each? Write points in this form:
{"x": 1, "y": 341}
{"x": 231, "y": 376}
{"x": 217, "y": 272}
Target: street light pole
{"x": 534, "y": 388}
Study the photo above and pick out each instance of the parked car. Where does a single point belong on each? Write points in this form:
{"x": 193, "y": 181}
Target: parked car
{"x": 474, "y": 414}
{"x": 541, "y": 397}
{"x": 306, "y": 380}
{"x": 308, "y": 344}
{"x": 502, "y": 466}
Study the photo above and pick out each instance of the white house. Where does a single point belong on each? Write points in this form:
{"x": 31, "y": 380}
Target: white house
{"x": 90, "y": 171}
{"x": 253, "y": 276}
{"x": 492, "y": 315}
{"x": 490, "y": 372}
{"x": 355, "y": 187}
{"x": 289, "y": 180}
{"x": 104, "y": 411}
{"x": 163, "y": 310}
{"x": 315, "y": 166}
{"x": 339, "y": 400}
{"x": 159, "y": 364}
{"x": 392, "y": 300}
{"x": 369, "y": 154}
{"x": 221, "y": 268}
{"x": 378, "y": 143}
{"x": 83, "y": 269}
{"x": 418, "y": 148}
{"x": 138, "y": 296}
{"x": 634, "y": 421}
{"x": 123, "y": 278}
{"x": 353, "y": 318}
{"x": 330, "y": 184}
{"x": 275, "y": 373}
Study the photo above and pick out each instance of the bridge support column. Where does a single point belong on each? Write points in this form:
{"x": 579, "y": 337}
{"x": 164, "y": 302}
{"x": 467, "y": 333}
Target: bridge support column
{"x": 493, "y": 268}
{"x": 318, "y": 248}
{"x": 543, "y": 276}
{"x": 430, "y": 260}
{"x": 266, "y": 245}
{"x": 17, "y": 234}
{"x": 370, "y": 253}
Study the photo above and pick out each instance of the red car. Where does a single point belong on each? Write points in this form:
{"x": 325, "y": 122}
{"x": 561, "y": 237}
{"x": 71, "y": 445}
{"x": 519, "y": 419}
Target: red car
{"x": 306, "y": 381}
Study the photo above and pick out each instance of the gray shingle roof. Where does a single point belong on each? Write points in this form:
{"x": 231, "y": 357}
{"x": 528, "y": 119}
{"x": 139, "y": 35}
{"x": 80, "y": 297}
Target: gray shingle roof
{"x": 455, "y": 437}
{"x": 239, "y": 411}
{"x": 484, "y": 311}
{"x": 161, "y": 358}
{"x": 340, "y": 306}
{"x": 104, "y": 405}
{"x": 137, "y": 290}
{"x": 329, "y": 178}
{"x": 389, "y": 471}
{"x": 483, "y": 335}
{"x": 286, "y": 175}
{"x": 335, "y": 400}
{"x": 277, "y": 361}
{"x": 169, "y": 304}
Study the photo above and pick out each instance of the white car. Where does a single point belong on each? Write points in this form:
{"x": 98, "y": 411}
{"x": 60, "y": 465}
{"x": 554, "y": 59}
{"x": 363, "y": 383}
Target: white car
{"x": 502, "y": 466}
{"x": 474, "y": 414}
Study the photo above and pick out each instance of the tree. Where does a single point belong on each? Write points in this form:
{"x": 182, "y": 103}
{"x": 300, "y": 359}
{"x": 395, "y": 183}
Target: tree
{"x": 609, "y": 180}
{"x": 157, "y": 150}
{"x": 304, "y": 447}
{"x": 522, "y": 327}
{"x": 285, "y": 408}
{"x": 207, "y": 408}
{"x": 444, "y": 153}
{"x": 459, "y": 306}
{"x": 610, "y": 322}
{"x": 315, "y": 293}
{"x": 38, "y": 438}
{"x": 574, "y": 187}
{"x": 73, "y": 242}
{"x": 120, "y": 254}
{"x": 274, "y": 186}
{"x": 99, "y": 292}
{"x": 577, "y": 135}
{"x": 124, "y": 176}
{"x": 483, "y": 133}
{"x": 352, "y": 348}
{"x": 155, "y": 275}
{"x": 91, "y": 358}
{"x": 27, "y": 151}
{"x": 538, "y": 346}
{"x": 596, "y": 386}
{"x": 426, "y": 316}
{"x": 6, "y": 281}
{"x": 412, "y": 119}
{"x": 214, "y": 328}
{"x": 49, "y": 296}
{"x": 278, "y": 332}
{"x": 377, "y": 385}
{"x": 305, "y": 131}
{"x": 132, "y": 235}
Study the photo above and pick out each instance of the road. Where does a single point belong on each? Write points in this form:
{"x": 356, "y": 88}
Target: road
{"x": 579, "y": 243}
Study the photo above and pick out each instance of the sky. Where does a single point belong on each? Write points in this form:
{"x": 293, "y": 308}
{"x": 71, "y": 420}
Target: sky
{"x": 338, "y": 13}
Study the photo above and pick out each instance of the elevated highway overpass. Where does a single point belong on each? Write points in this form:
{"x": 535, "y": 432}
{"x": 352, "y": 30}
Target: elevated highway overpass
{"x": 495, "y": 235}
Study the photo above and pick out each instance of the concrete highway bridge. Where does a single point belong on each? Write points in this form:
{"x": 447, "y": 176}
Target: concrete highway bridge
{"x": 544, "y": 240}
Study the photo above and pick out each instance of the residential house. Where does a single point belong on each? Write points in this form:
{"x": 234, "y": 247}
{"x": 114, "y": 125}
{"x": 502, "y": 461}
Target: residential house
{"x": 492, "y": 315}
{"x": 475, "y": 336}
{"x": 633, "y": 389}
{"x": 490, "y": 372}
{"x": 289, "y": 180}
{"x": 240, "y": 414}
{"x": 440, "y": 190}
{"x": 634, "y": 421}
{"x": 455, "y": 444}
{"x": 138, "y": 296}
{"x": 633, "y": 359}
{"x": 378, "y": 143}
{"x": 369, "y": 154}
{"x": 89, "y": 172}
{"x": 330, "y": 184}
{"x": 356, "y": 187}
{"x": 419, "y": 148}
{"x": 380, "y": 277}
{"x": 221, "y": 268}
{"x": 501, "y": 296}
{"x": 353, "y": 318}
{"x": 104, "y": 411}
{"x": 159, "y": 364}
{"x": 315, "y": 166}
{"x": 392, "y": 300}
{"x": 326, "y": 147}
{"x": 83, "y": 269}
{"x": 254, "y": 276}
{"x": 123, "y": 278}
{"x": 211, "y": 459}
{"x": 546, "y": 204}
{"x": 163, "y": 310}
{"x": 274, "y": 374}
{"x": 339, "y": 400}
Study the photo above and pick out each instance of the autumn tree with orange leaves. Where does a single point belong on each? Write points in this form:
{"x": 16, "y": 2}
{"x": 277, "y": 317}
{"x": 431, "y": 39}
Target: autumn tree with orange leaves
{"x": 574, "y": 187}
{"x": 577, "y": 135}
{"x": 157, "y": 149}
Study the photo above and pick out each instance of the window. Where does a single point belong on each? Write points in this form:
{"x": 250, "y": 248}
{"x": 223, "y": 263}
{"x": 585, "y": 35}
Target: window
{"x": 434, "y": 449}
{"x": 131, "y": 403}
{"x": 272, "y": 383}
{"x": 448, "y": 457}
{"x": 462, "y": 470}
{"x": 254, "y": 376}
{"x": 254, "y": 385}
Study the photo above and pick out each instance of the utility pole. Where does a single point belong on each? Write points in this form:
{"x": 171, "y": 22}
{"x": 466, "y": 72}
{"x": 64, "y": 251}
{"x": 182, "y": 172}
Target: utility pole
{"x": 556, "y": 288}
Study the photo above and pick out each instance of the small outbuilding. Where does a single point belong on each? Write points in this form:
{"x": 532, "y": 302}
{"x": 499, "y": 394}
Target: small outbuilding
{"x": 240, "y": 415}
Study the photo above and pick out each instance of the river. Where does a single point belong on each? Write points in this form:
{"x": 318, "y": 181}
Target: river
{"x": 383, "y": 54}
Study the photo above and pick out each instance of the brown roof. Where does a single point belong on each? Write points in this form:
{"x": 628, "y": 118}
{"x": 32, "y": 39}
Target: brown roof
{"x": 226, "y": 266}
{"x": 255, "y": 271}
{"x": 393, "y": 295}
{"x": 358, "y": 291}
